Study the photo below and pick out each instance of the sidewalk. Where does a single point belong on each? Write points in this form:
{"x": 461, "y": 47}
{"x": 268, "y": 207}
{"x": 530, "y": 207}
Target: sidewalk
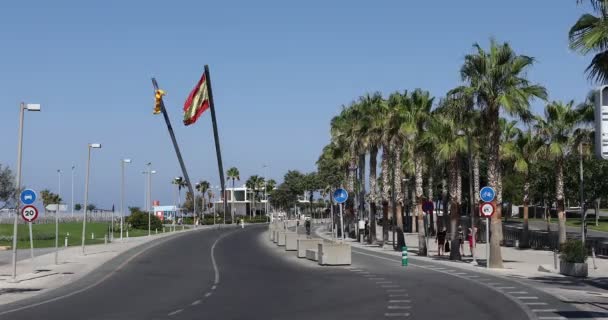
{"x": 33, "y": 279}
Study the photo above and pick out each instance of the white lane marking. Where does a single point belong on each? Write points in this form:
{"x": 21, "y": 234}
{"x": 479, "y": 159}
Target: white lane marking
{"x": 505, "y": 288}
{"x": 495, "y": 283}
{"x": 214, "y": 287}
{"x": 399, "y": 307}
{"x": 518, "y": 292}
{"x": 460, "y": 273}
{"x": 399, "y": 301}
{"x": 384, "y": 282}
{"x": 396, "y": 314}
{"x": 207, "y": 295}
{"x": 527, "y": 298}
{"x": 389, "y": 286}
{"x": 122, "y": 265}
{"x": 544, "y": 310}
{"x": 535, "y": 303}
{"x": 398, "y": 295}
{"x": 395, "y": 290}
{"x": 376, "y": 279}
{"x": 552, "y": 318}
{"x": 175, "y": 312}
{"x": 196, "y": 302}
{"x": 472, "y": 276}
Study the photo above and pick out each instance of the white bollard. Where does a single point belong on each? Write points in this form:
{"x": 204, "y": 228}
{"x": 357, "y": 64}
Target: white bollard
{"x": 593, "y": 258}
{"x": 92, "y": 236}
{"x": 127, "y": 233}
{"x": 163, "y": 229}
{"x": 66, "y": 242}
{"x": 156, "y": 230}
{"x": 105, "y": 239}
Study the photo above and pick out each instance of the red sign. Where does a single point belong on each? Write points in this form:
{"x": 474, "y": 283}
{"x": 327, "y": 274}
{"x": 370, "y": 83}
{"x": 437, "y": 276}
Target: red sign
{"x": 487, "y": 209}
{"x": 29, "y": 213}
{"x": 160, "y": 216}
{"x": 156, "y": 203}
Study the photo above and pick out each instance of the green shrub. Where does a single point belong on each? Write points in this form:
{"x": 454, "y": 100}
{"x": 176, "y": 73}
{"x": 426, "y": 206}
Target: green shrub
{"x": 573, "y": 251}
{"x": 139, "y": 220}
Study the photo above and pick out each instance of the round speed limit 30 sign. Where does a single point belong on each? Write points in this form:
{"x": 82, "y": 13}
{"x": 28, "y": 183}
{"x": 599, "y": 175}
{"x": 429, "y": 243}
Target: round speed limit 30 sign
{"x": 29, "y": 213}
{"x": 487, "y": 209}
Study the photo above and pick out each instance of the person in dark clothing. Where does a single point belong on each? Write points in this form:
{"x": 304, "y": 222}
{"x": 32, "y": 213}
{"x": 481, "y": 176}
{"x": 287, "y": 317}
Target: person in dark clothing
{"x": 307, "y": 223}
{"x": 440, "y": 240}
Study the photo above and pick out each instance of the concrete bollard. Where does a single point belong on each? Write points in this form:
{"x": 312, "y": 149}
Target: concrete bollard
{"x": 66, "y": 242}
{"x": 92, "y": 236}
{"x": 105, "y": 239}
{"x": 555, "y": 259}
{"x": 127, "y": 233}
{"x": 155, "y": 231}
{"x": 163, "y": 229}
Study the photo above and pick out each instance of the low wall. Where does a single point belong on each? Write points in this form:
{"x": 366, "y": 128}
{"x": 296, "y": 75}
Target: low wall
{"x": 334, "y": 254}
{"x": 305, "y": 244}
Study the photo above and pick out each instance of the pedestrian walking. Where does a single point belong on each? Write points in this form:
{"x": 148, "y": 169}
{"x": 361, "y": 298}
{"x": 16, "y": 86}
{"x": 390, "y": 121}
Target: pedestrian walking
{"x": 461, "y": 239}
{"x": 440, "y": 240}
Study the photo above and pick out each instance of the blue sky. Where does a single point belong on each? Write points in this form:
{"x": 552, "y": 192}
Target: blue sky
{"x": 280, "y": 71}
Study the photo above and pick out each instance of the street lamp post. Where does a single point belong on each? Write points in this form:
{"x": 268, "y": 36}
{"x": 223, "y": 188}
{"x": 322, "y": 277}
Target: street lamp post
{"x": 86, "y": 192}
{"x": 22, "y": 108}
{"x": 582, "y": 193}
{"x": 150, "y": 173}
{"x": 471, "y": 195}
{"x": 57, "y": 218}
{"x": 122, "y": 193}
{"x": 72, "y": 204}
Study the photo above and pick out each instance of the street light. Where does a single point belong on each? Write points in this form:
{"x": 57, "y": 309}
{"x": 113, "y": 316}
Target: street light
{"x": 150, "y": 173}
{"x": 57, "y": 218}
{"x": 86, "y": 192}
{"x": 73, "y": 167}
{"x": 22, "y": 108}
{"x": 122, "y": 194}
{"x": 462, "y": 133}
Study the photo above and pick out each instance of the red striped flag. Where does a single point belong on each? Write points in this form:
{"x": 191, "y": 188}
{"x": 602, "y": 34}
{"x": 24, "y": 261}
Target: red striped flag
{"x": 197, "y": 102}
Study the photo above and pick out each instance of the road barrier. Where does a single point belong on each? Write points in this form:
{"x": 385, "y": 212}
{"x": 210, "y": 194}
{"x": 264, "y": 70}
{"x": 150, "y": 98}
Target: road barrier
{"x": 334, "y": 254}
{"x": 312, "y": 254}
{"x": 281, "y": 240}
{"x": 291, "y": 241}
{"x": 306, "y": 244}
{"x": 404, "y": 256}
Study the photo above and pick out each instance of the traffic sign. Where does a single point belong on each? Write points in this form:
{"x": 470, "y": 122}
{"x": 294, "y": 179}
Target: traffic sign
{"x": 28, "y": 196}
{"x": 340, "y": 195}
{"x": 428, "y": 206}
{"x": 29, "y": 213}
{"x": 487, "y": 194}
{"x": 487, "y": 209}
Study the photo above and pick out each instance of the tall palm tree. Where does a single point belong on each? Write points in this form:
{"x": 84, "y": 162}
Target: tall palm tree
{"x": 522, "y": 152}
{"x": 497, "y": 78}
{"x": 416, "y": 117}
{"x": 202, "y": 187}
{"x": 232, "y": 174}
{"x": 397, "y": 104}
{"x": 255, "y": 183}
{"x": 590, "y": 35}
{"x": 442, "y": 132}
{"x": 557, "y": 131}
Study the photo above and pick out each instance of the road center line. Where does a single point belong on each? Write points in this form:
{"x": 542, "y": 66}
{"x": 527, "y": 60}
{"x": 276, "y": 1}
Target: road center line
{"x": 175, "y": 312}
{"x": 196, "y": 302}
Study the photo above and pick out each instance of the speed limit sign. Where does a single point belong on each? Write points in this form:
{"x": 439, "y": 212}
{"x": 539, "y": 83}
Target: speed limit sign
{"x": 29, "y": 213}
{"x": 487, "y": 209}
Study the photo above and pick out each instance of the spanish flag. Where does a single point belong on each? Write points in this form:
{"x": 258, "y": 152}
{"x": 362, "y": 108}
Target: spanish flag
{"x": 197, "y": 102}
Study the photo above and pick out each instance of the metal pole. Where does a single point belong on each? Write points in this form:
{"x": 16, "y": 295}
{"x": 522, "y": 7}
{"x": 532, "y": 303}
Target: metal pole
{"x": 341, "y": 221}
{"x": 149, "y": 197}
{"x": 487, "y": 243}
{"x": 582, "y": 195}
{"x": 73, "y": 192}
{"x": 57, "y": 220}
{"x": 32, "y": 247}
{"x": 18, "y": 187}
{"x": 86, "y": 200}
{"x": 472, "y": 199}
{"x": 122, "y": 195}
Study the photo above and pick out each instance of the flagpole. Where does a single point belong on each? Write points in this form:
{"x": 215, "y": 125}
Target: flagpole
{"x": 217, "y": 140}
{"x": 172, "y": 134}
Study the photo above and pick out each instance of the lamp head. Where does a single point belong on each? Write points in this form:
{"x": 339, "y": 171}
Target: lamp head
{"x": 95, "y": 145}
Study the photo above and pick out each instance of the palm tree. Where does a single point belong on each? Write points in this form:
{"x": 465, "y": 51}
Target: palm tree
{"x": 416, "y": 118}
{"x": 557, "y": 131}
{"x": 589, "y": 35}
{"x": 497, "y": 79}
{"x": 255, "y": 183}
{"x": 522, "y": 151}
{"x": 202, "y": 187}
{"x": 232, "y": 174}
{"x": 442, "y": 132}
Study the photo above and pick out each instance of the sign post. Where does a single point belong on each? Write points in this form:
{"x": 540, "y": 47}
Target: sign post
{"x": 29, "y": 213}
{"x": 487, "y": 210}
{"x": 340, "y": 196}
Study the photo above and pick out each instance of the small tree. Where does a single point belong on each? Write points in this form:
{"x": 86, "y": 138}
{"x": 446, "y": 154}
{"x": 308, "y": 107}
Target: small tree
{"x": 139, "y": 220}
{"x": 91, "y": 207}
{"x": 7, "y": 187}
{"x": 77, "y": 207}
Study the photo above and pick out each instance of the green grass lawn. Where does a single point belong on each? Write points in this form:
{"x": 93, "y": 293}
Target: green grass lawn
{"x": 603, "y": 223}
{"x": 44, "y": 234}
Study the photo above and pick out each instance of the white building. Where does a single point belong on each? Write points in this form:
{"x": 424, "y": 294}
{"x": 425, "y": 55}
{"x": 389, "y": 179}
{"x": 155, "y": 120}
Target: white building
{"x": 240, "y": 198}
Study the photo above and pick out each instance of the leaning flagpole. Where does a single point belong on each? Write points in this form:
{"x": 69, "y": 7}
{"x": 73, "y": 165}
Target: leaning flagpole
{"x": 218, "y": 151}
{"x": 172, "y": 134}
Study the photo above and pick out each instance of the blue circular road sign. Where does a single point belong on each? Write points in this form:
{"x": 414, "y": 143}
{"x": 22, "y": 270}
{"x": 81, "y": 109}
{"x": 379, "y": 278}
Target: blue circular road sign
{"x": 487, "y": 194}
{"x": 340, "y": 196}
{"x": 28, "y": 196}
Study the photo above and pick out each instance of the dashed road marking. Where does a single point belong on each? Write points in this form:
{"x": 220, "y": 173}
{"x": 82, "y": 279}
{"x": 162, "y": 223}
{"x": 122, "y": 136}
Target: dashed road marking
{"x": 207, "y": 295}
{"x": 505, "y": 288}
{"x": 518, "y": 292}
{"x": 175, "y": 312}
{"x": 399, "y": 307}
{"x": 383, "y": 282}
{"x": 398, "y": 295}
{"x": 472, "y": 276}
{"x": 399, "y": 301}
{"x": 552, "y": 318}
{"x": 460, "y": 273}
{"x": 376, "y": 279}
{"x": 527, "y": 298}
{"x": 395, "y": 290}
{"x": 405, "y": 314}
{"x": 543, "y": 310}
{"x": 535, "y": 303}
{"x": 214, "y": 287}
{"x": 196, "y": 302}
{"x": 389, "y": 286}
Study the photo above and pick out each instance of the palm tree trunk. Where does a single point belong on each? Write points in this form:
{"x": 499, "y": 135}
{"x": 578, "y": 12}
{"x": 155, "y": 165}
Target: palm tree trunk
{"x": 455, "y": 176}
{"x": 444, "y": 202}
{"x": 476, "y": 186}
{"x": 386, "y": 187}
{"x": 397, "y": 189}
{"x": 430, "y": 198}
{"x": 559, "y": 192}
{"x": 494, "y": 176}
{"x": 422, "y": 249}
{"x": 525, "y": 239}
{"x": 373, "y": 155}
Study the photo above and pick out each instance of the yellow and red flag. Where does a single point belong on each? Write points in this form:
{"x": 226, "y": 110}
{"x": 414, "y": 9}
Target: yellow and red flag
{"x": 197, "y": 102}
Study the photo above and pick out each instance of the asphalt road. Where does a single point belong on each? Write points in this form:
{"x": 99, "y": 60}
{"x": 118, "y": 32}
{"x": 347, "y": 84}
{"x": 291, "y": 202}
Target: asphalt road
{"x": 238, "y": 274}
